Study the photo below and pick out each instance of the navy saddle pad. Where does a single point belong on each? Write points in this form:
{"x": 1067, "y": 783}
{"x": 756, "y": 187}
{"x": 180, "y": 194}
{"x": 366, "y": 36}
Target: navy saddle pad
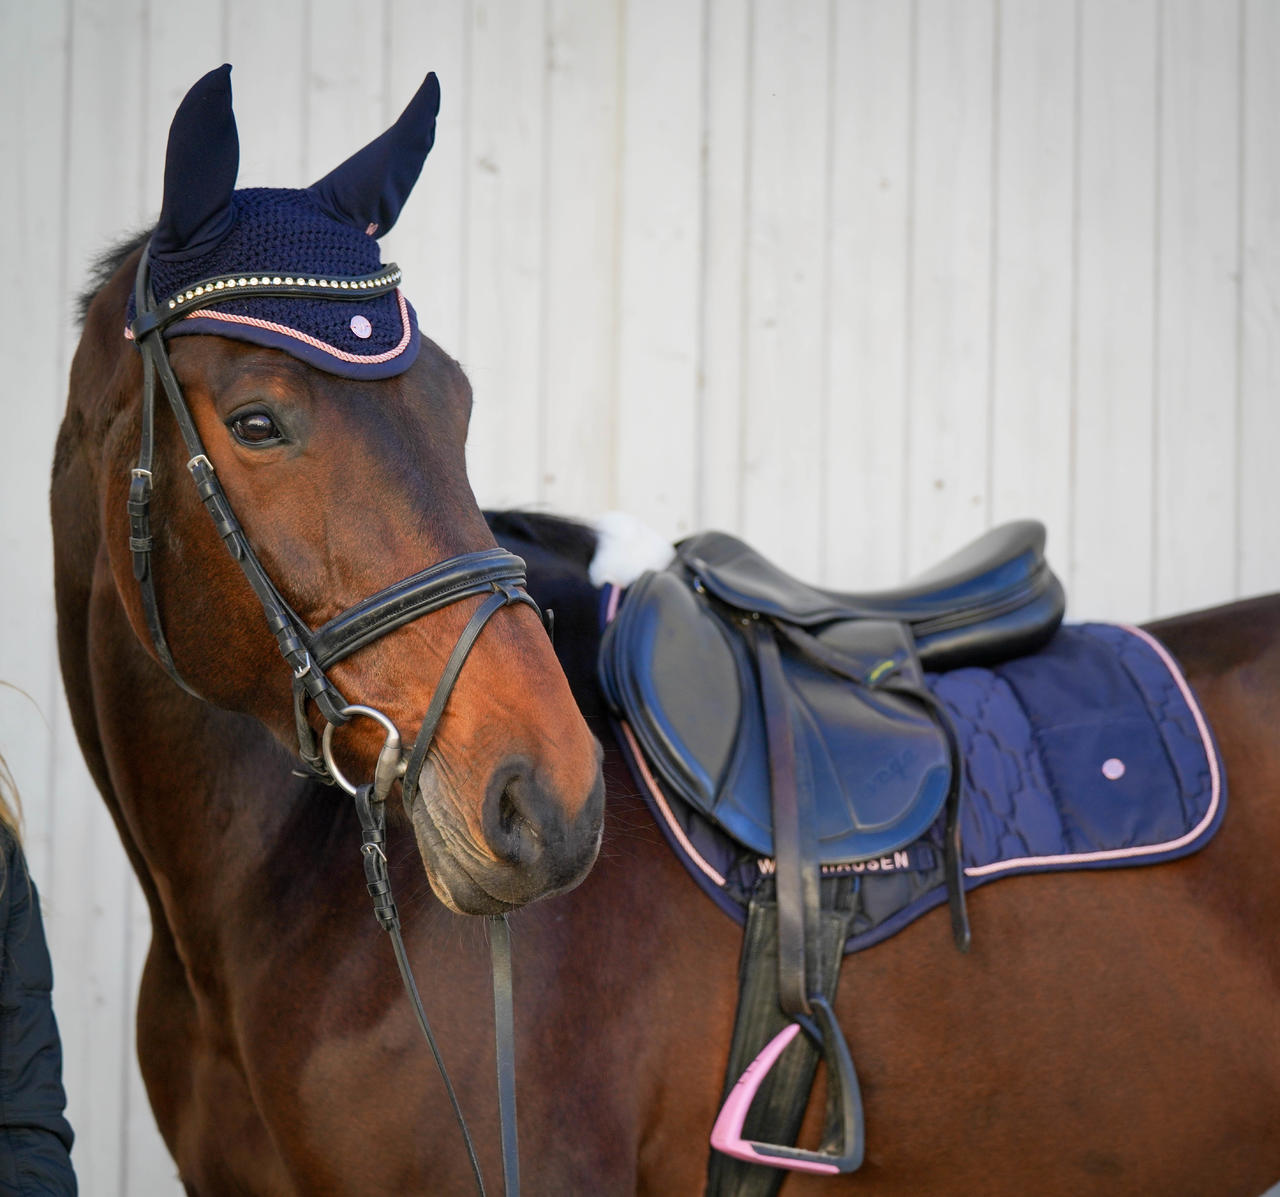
{"x": 1091, "y": 752}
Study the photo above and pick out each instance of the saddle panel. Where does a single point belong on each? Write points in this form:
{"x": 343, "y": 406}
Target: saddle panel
{"x": 996, "y": 598}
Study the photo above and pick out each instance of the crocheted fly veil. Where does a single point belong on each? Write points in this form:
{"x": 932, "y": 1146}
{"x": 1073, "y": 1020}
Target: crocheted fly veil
{"x": 265, "y": 264}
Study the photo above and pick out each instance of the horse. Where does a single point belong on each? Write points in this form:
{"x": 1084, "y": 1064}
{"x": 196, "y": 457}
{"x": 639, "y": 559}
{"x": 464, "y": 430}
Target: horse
{"x": 1108, "y": 1032}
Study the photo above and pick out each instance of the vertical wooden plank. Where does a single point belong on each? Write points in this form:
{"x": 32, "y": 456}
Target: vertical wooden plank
{"x": 727, "y": 82}
{"x": 267, "y": 45}
{"x": 949, "y": 356}
{"x": 784, "y": 390}
{"x": 659, "y": 264}
{"x": 346, "y": 101}
{"x": 661, "y": 184}
{"x": 1034, "y": 276}
{"x": 502, "y": 334}
{"x": 430, "y": 239}
{"x": 580, "y": 282}
{"x": 1115, "y": 269}
{"x": 867, "y": 302}
{"x": 1196, "y": 363}
{"x": 183, "y": 42}
{"x": 1258, "y": 556}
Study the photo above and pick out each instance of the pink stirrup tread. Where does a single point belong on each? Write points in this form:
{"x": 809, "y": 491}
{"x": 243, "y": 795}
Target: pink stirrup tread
{"x": 726, "y": 1135}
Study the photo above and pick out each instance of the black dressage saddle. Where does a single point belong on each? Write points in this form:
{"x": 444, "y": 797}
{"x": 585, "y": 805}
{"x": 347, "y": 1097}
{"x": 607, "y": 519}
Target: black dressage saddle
{"x": 682, "y": 662}
{"x": 798, "y": 721}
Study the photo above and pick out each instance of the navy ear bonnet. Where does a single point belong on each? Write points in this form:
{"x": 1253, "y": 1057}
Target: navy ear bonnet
{"x": 296, "y": 270}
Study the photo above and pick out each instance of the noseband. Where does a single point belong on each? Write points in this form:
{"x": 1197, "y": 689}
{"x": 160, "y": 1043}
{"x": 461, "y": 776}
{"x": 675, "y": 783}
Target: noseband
{"x": 496, "y": 574}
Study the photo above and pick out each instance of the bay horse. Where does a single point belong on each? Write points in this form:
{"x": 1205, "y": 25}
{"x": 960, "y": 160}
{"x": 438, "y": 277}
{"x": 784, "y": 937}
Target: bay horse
{"x": 1109, "y": 1032}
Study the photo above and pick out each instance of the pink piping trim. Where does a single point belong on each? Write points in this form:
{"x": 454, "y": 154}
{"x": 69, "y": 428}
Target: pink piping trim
{"x": 1149, "y": 849}
{"x": 655, "y": 791}
{"x": 297, "y": 335}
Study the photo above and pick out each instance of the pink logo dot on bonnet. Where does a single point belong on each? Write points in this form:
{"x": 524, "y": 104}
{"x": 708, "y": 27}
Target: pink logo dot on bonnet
{"x": 361, "y": 327}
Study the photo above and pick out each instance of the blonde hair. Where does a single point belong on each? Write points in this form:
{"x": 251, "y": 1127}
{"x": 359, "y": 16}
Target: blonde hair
{"x": 10, "y": 803}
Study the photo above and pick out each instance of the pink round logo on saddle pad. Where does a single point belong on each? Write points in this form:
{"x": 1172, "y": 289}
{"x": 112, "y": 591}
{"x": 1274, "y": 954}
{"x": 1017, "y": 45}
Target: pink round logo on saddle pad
{"x": 361, "y": 327}
{"x": 1113, "y": 768}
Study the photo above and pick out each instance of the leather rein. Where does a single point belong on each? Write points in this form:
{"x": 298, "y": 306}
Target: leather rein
{"x": 494, "y": 573}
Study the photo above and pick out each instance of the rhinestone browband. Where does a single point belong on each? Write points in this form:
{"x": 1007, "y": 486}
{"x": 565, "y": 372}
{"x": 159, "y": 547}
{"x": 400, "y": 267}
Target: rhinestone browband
{"x": 386, "y": 279}
{"x": 233, "y": 286}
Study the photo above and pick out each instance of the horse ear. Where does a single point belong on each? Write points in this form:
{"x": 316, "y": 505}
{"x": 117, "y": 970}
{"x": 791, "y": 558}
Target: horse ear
{"x": 200, "y": 170}
{"x": 369, "y": 188}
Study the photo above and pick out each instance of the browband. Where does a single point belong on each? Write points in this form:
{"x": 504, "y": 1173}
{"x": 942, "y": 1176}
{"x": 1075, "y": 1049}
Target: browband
{"x": 224, "y": 287}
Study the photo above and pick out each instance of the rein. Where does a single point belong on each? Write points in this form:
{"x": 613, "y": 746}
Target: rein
{"x": 494, "y": 573}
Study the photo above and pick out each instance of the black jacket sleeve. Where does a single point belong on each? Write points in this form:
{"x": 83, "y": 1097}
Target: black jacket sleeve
{"x": 35, "y": 1137}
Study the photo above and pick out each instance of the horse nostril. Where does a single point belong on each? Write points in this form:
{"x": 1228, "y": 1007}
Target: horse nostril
{"x": 530, "y": 832}
{"x": 515, "y": 835}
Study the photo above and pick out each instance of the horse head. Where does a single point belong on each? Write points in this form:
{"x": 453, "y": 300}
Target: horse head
{"x": 326, "y": 438}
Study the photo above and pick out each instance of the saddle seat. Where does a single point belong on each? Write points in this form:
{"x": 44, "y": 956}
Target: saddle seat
{"x": 994, "y": 599}
{"x": 680, "y": 663}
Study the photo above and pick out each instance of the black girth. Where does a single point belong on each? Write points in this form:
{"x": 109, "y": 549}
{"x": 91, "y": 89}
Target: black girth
{"x": 494, "y": 573}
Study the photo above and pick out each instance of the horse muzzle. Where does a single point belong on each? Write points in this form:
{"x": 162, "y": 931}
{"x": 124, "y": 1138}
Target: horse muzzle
{"x": 528, "y": 842}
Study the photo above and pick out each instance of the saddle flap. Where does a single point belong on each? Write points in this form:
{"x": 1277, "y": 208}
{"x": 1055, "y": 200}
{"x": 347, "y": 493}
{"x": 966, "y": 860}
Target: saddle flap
{"x": 681, "y": 674}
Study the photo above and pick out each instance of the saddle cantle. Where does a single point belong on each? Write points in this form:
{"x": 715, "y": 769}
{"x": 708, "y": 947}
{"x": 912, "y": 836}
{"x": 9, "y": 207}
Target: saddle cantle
{"x": 994, "y": 599}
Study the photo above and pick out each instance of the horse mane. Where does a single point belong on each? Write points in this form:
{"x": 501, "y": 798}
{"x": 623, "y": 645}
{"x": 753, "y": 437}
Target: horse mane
{"x": 567, "y": 539}
{"x": 104, "y": 266}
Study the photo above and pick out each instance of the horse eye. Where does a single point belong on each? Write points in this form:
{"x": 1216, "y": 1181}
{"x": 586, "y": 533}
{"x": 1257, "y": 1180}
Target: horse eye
{"x": 255, "y": 428}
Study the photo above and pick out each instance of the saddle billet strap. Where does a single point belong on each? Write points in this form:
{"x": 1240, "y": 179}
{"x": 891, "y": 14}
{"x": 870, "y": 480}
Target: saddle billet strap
{"x": 793, "y": 831}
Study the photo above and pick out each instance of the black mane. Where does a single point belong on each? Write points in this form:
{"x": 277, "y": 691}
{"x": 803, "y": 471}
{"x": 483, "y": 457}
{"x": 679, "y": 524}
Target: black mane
{"x": 104, "y": 266}
{"x": 565, "y": 538}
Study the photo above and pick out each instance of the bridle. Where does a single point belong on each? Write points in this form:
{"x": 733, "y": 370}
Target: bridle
{"x": 496, "y": 574}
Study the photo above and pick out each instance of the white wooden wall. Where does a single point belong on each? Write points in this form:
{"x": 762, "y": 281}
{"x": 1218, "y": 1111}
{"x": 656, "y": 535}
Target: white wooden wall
{"x": 853, "y": 278}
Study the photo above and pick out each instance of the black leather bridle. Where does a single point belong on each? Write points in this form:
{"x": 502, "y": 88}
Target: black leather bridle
{"x": 494, "y": 573}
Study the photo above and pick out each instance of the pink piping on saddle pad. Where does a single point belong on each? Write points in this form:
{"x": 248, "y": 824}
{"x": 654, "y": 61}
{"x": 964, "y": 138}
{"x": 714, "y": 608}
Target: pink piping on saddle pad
{"x": 1215, "y": 779}
{"x": 655, "y": 790}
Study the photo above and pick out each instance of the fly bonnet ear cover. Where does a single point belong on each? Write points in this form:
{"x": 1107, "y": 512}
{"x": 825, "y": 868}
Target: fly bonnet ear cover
{"x": 265, "y": 252}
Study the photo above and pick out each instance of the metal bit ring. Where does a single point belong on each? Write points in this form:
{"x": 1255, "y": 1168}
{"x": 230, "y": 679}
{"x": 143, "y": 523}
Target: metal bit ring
{"x": 388, "y": 767}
